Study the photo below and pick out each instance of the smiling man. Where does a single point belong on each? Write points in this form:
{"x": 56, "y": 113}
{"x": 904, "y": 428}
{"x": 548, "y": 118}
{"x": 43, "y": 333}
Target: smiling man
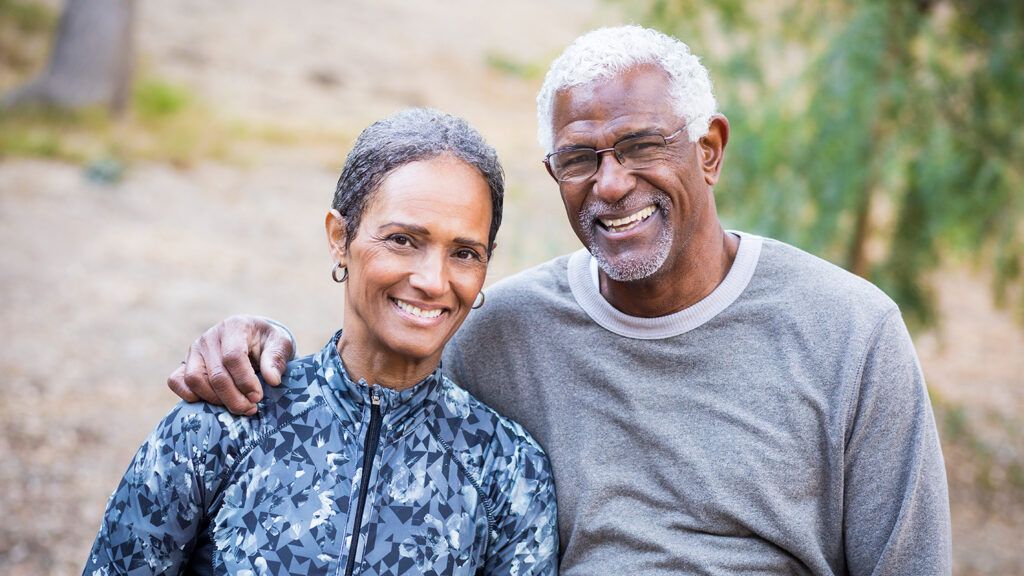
{"x": 712, "y": 401}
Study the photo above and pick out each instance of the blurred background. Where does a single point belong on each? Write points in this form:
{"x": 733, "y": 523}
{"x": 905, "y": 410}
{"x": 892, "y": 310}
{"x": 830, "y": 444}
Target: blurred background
{"x": 165, "y": 164}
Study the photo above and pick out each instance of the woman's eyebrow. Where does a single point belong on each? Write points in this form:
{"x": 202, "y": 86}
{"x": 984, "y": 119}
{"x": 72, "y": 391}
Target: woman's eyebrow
{"x": 423, "y": 231}
{"x": 471, "y": 242}
{"x": 415, "y": 228}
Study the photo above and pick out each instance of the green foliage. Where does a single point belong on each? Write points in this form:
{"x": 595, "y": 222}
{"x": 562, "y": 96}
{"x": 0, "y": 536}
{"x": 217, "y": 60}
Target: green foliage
{"x": 155, "y": 100}
{"x": 882, "y": 134}
{"x": 27, "y": 17}
{"x": 24, "y": 29}
{"x": 43, "y": 132}
{"x": 509, "y": 66}
{"x": 164, "y": 124}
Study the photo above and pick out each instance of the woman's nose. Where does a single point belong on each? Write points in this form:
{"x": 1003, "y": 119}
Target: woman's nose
{"x": 430, "y": 275}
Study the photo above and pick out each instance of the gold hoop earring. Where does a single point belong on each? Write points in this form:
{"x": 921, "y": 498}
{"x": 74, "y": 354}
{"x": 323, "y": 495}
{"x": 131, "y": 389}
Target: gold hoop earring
{"x": 482, "y": 298}
{"x": 344, "y": 273}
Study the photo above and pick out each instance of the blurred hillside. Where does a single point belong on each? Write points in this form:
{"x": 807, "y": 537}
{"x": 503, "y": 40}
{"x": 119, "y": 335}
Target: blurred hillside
{"x": 122, "y": 239}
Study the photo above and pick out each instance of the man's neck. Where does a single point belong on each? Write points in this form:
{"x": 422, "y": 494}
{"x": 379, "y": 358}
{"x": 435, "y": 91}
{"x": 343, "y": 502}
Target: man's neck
{"x": 693, "y": 276}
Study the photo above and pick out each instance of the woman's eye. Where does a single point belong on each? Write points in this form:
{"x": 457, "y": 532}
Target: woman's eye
{"x": 400, "y": 240}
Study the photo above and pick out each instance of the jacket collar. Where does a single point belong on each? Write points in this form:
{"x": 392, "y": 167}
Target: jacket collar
{"x": 352, "y": 399}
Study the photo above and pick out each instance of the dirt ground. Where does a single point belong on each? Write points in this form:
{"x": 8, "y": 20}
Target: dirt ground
{"x": 105, "y": 285}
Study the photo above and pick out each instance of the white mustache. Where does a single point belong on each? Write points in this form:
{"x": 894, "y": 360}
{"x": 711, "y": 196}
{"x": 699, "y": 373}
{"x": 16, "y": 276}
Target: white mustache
{"x": 590, "y": 211}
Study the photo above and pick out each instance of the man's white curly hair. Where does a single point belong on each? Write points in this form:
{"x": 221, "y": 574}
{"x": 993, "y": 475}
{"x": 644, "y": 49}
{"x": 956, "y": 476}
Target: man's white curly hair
{"x": 607, "y": 52}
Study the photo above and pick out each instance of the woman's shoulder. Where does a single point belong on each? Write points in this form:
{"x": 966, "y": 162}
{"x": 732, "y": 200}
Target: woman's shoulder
{"x": 490, "y": 441}
{"x": 299, "y": 391}
{"x": 199, "y": 421}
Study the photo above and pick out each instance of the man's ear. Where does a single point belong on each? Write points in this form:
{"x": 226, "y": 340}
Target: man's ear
{"x": 336, "y": 236}
{"x": 712, "y": 148}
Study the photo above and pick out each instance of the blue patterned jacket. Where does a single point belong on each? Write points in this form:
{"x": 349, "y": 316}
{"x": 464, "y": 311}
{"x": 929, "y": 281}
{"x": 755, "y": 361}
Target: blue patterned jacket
{"x": 430, "y": 481}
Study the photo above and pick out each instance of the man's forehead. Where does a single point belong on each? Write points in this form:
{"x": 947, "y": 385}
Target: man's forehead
{"x": 636, "y": 101}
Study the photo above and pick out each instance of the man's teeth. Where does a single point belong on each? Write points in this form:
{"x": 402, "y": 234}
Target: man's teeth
{"x": 418, "y": 312}
{"x": 621, "y": 224}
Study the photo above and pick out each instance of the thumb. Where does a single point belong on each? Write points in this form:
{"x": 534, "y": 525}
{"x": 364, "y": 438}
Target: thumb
{"x": 273, "y": 359}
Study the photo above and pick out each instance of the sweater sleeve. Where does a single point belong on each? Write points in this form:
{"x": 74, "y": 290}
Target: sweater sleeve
{"x": 525, "y": 535}
{"x": 896, "y": 503}
{"x": 153, "y": 518}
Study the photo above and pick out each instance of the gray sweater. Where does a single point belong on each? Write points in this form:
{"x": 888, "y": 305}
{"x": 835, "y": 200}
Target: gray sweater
{"x": 779, "y": 426}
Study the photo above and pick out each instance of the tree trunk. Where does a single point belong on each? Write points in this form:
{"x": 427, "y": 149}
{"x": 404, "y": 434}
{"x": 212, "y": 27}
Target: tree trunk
{"x": 92, "y": 59}
{"x": 856, "y": 256}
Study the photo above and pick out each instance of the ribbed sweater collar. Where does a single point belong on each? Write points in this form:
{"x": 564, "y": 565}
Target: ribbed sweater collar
{"x": 582, "y": 271}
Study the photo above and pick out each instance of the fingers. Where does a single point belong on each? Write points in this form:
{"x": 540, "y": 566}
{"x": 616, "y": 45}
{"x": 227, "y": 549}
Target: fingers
{"x": 277, "y": 349}
{"x": 224, "y": 359}
{"x": 238, "y": 361}
{"x": 195, "y": 376}
{"x": 219, "y": 368}
{"x": 176, "y": 382}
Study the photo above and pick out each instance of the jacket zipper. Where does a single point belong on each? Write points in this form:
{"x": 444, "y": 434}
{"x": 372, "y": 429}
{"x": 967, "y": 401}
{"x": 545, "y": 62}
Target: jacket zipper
{"x": 369, "y": 451}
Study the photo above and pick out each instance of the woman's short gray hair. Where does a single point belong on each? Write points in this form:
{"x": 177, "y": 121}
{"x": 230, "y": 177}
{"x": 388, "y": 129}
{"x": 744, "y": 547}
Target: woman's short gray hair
{"x": 413, "y": 135}
{"x": 607, "y": 52}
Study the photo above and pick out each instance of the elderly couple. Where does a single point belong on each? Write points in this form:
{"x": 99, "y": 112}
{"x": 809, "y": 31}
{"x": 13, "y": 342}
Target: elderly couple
{"x": 711, "y": 401}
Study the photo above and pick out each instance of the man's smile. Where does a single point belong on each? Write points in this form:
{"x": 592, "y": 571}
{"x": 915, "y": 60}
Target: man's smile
{"x": 627, "y": 222}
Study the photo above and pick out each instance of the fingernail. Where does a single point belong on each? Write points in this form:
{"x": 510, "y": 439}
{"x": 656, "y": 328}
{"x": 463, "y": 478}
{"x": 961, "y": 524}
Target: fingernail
{"x": 254, "y": 397}
{"x": 251, "y": 412}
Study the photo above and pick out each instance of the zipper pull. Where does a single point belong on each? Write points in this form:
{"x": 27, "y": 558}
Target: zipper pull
{"x": 374, "y": 398}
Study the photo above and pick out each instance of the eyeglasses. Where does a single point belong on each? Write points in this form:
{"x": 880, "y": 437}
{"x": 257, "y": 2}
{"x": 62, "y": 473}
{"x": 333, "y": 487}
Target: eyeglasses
{"x": 633, "y": 153}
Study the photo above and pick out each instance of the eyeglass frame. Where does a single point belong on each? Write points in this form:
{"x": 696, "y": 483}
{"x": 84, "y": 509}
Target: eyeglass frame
{"x": 670, "y": 139}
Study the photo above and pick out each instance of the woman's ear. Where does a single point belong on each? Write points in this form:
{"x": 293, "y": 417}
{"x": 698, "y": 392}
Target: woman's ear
{"x": 336, "y": 236}
{"x": 712, "y": 148}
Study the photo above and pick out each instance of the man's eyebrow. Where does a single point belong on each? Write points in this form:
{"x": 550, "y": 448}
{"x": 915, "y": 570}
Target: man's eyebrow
{"x": 631, "y": 134}
{"x": 423, "y": 231}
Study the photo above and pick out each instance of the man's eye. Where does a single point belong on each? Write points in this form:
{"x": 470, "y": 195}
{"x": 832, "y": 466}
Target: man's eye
{"x": 467, "y": 254}
{"x": 639, "y": 147}
{"x": 574, "y": 158}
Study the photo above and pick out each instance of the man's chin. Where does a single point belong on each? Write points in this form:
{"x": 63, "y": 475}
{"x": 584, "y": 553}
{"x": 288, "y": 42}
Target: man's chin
{"x": 629, "y": 267}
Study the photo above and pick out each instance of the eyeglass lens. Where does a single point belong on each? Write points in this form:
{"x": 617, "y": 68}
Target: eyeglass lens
{"x": 632, "y": 153}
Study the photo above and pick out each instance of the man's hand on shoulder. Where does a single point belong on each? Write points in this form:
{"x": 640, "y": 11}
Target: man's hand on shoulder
{"x": 220, "y": 366}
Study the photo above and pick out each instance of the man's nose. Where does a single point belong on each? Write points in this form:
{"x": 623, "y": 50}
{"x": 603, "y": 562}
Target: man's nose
{"x": 612, "y": 181}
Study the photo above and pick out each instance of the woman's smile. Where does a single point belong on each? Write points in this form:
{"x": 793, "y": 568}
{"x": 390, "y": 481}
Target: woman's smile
{"x": 419, "y": 312}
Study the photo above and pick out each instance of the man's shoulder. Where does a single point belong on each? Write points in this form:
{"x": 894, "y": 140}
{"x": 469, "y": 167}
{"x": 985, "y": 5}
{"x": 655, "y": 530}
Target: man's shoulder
{"x": 810, "y": 281}
{"x": 523, "y": 296}
{"x": 546, "y": 278}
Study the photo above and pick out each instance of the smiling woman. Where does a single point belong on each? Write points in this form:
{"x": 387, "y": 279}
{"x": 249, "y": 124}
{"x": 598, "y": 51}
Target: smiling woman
{"x": 366, "y": 459}
{"x": 415, "y": 268}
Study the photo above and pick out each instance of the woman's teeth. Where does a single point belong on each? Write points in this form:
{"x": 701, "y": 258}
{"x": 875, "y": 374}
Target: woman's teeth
{"x": 623, "y": 224}
{"x": 418, "y": 312}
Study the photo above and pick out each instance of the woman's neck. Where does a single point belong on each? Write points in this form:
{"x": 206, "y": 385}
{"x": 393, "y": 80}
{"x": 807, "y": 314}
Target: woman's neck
{"x": 376, "y": 367}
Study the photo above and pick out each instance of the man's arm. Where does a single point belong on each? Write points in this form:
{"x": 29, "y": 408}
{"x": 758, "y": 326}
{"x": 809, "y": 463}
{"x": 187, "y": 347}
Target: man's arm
{"x": 219, "y": 368}
{"x": 896, "y": 510}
